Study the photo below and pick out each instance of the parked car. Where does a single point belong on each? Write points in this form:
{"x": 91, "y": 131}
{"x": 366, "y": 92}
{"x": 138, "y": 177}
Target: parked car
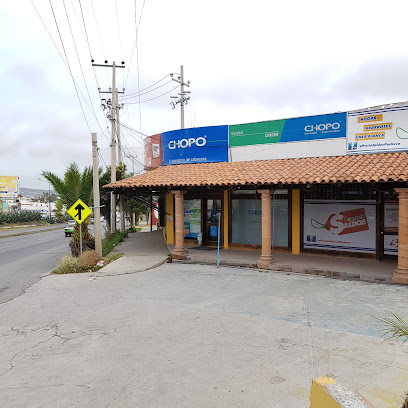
{"x": 69, "y": 229}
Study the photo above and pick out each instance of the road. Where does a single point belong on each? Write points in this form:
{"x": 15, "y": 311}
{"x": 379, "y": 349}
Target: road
{"x": 25, "y": 259}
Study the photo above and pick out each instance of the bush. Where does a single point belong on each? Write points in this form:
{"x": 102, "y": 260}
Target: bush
{"x": 22, "y": 216}
{"x": 68, "y": 264}
{"x": 111, "y": 240}
{"x": 88, "y": 259}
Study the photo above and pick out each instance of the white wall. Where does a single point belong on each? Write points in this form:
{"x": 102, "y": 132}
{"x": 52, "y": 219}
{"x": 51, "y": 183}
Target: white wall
{"x": 292, "y": 150}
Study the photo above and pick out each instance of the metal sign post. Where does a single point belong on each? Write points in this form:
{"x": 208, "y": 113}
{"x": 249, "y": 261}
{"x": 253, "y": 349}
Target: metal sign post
{"x": 79, "y": 212}
{"x": 80, "y": 239}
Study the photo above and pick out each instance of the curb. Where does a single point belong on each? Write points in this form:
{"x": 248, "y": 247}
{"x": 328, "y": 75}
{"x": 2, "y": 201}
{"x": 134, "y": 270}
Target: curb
{"x": 28, "y": 232}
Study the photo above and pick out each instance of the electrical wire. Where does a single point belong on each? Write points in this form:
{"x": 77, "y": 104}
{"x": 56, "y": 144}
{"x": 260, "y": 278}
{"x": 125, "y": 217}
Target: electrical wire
{"x": 122, "y": 98}
{"x": 69, "y": 67}
{"x": 100, "y": 38}
{"x": 80, "y": 65}
{"x": 152, "y": 99}
{"x": 90, "y": 54}
{"x": 120, "y": 39}
{"x": 144, "y": 89}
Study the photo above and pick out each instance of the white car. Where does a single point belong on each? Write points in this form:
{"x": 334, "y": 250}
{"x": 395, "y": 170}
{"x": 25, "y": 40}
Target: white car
{"x": 69, "y": 229}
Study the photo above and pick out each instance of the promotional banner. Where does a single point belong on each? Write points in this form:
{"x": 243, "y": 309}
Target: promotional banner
{"x": 391, "y": 244}
{"x": 192, "y": 218}
{"x": 195, "y": 145}
{"x": 8, "y": 187}
{"x": 378, "y": 130}
{"x": 391, "y": 216}
{"x": 340, "y": 225}
{"x": 289, "y": 130}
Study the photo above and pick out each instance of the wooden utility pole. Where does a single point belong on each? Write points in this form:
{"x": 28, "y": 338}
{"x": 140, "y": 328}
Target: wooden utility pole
{"x": 120, "y": 156}
{"x": 96, "y": 197}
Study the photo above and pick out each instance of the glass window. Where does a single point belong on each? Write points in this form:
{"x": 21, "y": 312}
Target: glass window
{"x": 247, "y": 222}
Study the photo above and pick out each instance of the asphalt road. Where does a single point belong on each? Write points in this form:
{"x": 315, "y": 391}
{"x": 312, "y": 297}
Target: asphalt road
{"x": 25, "y": 259}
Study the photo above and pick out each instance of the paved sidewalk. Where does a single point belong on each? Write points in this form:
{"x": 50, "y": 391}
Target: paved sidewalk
{"x": 331, "y": 266}
{"x": 142, "y": 251}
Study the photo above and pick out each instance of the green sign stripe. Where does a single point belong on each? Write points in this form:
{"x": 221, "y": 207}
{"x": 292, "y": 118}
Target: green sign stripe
{"x": 256, "y": 133}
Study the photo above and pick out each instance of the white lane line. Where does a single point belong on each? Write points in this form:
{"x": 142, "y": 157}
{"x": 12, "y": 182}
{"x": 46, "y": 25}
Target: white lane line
{"x": 7, "y": 246}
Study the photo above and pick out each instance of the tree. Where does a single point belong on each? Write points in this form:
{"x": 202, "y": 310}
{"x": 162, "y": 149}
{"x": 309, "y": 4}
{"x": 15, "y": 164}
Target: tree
{"x": 74, "y": 185}
{"x": 132, "y": 205}
{"x": 105, "y": 178}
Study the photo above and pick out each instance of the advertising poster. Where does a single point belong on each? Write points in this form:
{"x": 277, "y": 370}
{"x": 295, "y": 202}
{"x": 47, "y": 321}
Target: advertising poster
{"x": 152, "y": 150}
{"x": 378, "y": 130}
{"x": 340, "y": 225}
{"x": 195, "y": 145}
{"x": 391, "y": 216}
{"x": 8, "y": 187}
{"x": 192, "y": 218}
{"x": 391, "y": 244}
{"x": 289, "y": 130}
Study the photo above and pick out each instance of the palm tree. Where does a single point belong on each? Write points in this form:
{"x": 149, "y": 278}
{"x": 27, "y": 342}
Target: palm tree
{"x": 74, "y": 185}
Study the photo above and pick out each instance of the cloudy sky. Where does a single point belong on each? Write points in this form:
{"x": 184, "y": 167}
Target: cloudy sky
{"x": 247, "y": 62}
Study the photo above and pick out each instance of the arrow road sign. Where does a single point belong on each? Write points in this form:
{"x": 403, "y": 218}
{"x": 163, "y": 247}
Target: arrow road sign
{"x": 79, "y": 211}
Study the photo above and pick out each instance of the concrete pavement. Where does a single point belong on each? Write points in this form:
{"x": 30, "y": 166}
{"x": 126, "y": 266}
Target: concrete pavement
{"x": 183, "y": 335}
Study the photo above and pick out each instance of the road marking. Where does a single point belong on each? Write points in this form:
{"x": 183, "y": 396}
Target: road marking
{"x": 7, "y": 246}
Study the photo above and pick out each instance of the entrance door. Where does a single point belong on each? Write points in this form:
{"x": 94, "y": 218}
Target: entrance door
{"x": 211, "y": 214}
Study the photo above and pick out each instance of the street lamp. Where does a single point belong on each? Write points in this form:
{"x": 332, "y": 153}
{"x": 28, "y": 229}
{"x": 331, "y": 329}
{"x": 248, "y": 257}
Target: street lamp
{"x": 49, "y": 196}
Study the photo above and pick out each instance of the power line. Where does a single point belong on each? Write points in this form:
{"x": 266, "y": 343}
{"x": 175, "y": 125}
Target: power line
{"x": 69, "y": 67}
{"x": 120, "y": 39}
{"x": 152, "y": 99}
{"x": 80, "y": 65}
{"x": 90, "y": 54}
{"x": 144, "y": 93}
{"x": 100, "y": 38}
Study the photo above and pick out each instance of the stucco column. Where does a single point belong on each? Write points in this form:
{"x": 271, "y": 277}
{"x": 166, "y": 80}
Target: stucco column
{"x": 179, "y": 252}
{"x": 401, "y": 273}
{"x": 266, "y": 257}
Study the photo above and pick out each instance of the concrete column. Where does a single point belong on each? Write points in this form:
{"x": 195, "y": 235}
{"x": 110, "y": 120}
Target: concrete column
{"x": 401, "y": 273}
{"x": 266, "y": 257}
{"x": 179, "y": 252}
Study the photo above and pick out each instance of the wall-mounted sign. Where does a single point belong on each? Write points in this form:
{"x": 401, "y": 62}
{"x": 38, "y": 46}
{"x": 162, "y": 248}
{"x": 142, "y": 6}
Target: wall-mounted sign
{"x": 340, "y": 225}
{"x": 289, "y": 130}
{"x": 378, "y": 130}
{"x": 195, "y": 145}
{"x": 152, "y": 150}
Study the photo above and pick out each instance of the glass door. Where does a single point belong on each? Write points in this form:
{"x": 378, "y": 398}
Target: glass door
{"x": 212, "y": 214}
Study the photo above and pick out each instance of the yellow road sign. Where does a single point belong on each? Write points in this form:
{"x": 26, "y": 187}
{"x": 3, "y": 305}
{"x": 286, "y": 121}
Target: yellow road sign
{"x": 79, "y": 211}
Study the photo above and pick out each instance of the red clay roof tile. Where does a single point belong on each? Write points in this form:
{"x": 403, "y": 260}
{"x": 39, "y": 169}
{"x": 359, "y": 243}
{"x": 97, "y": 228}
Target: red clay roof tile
{"x": 353, "y": 168}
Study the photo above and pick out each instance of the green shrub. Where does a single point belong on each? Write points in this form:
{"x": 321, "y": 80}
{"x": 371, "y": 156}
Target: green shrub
{"x": 22, "y": 216}
{"x": 111, "y": 240}
{"x": 68, "y": 264}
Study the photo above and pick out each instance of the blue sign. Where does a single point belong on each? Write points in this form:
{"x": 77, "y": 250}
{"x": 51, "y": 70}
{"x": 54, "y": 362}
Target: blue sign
{"x": 315, "y": 127}
{"x": 195, "y": 145}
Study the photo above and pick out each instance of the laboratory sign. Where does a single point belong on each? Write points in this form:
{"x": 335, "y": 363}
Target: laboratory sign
{"x": 195, "y": 145}
{"x": 289, "y": 130}
{"x": 378, "y": 130}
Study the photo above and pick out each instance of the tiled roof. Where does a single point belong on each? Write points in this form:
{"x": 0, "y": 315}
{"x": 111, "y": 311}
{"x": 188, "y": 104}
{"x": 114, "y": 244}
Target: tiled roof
{"x": 346, "y": 169}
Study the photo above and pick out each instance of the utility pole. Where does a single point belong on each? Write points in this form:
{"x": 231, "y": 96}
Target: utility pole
{"x": 96, "y": 197}
{"x": 113, "y": 136}
{"x": 121, "y": 197}
{"x": 183, "y": 97}
{"x": 113, "y": 149}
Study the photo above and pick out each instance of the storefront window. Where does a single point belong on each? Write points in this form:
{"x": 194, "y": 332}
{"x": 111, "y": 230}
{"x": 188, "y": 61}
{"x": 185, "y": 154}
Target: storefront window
{"x": 340, "y": 225}
{"x": 247, "y": 222}
{"x": 192, "y": 218}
